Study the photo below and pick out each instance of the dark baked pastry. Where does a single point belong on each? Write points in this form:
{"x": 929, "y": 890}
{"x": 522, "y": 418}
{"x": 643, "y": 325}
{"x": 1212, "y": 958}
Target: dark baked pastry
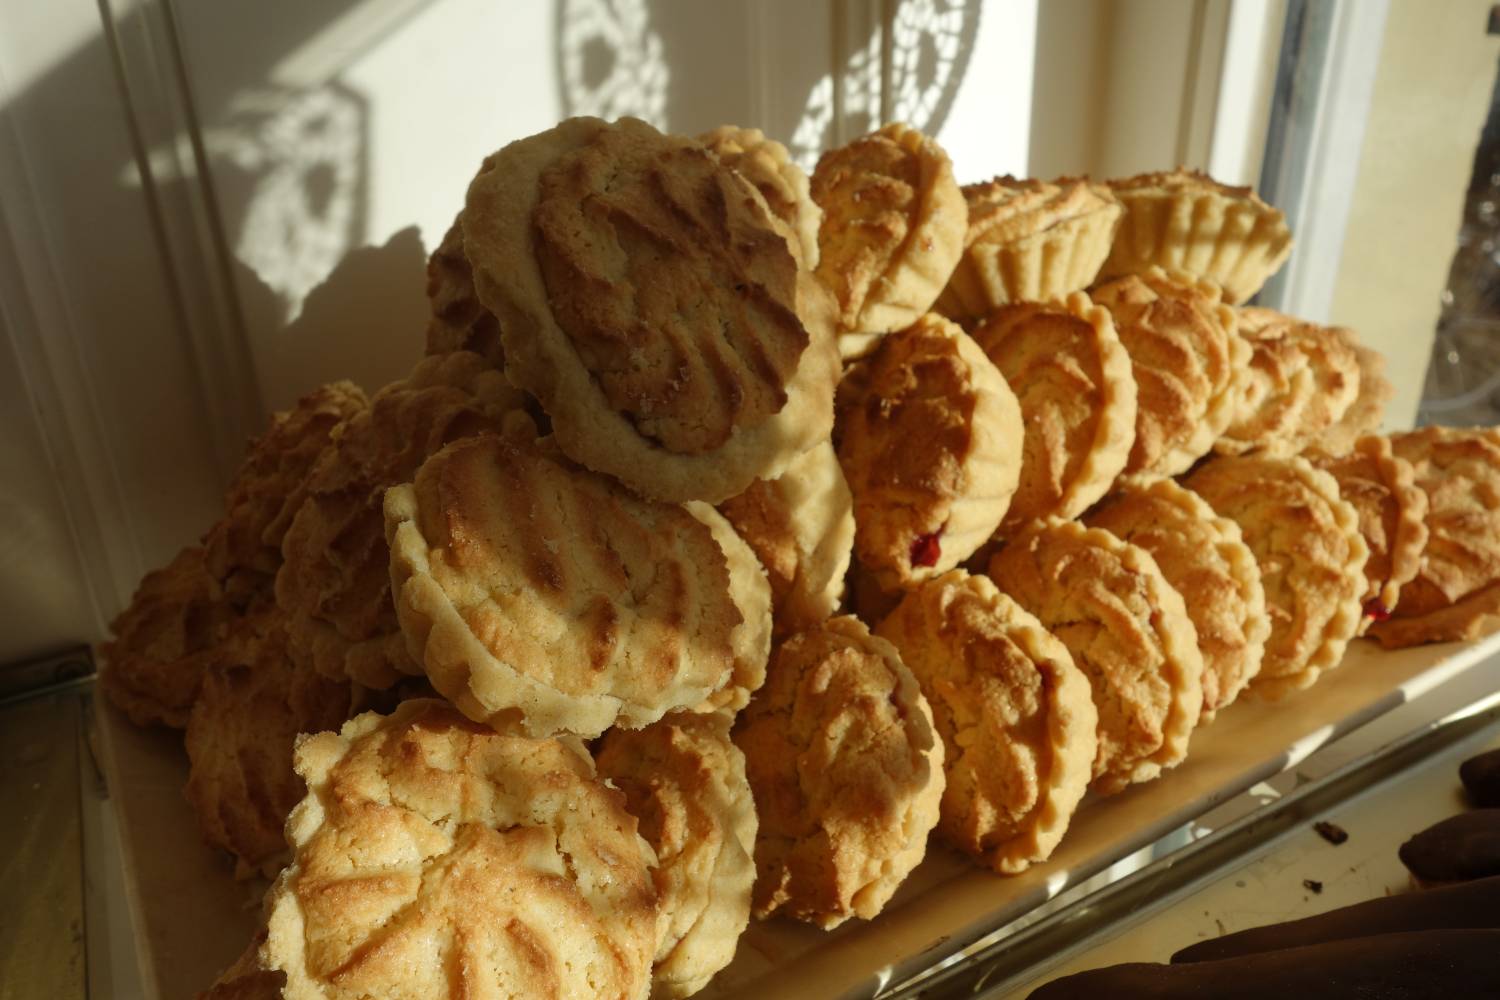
{"x": 1481, "y": 778}
{"x": 1462, "y": 847}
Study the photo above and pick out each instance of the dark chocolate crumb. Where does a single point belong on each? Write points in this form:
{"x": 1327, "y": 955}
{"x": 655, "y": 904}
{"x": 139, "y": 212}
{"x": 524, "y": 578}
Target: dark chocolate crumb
{"x": 1331, "y": 832}
{"x": 1312, "y": 885}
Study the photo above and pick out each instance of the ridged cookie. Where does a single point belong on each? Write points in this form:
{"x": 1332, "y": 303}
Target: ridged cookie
{"x": 1128, "y": 632}
{"x": 750, "y": 591}
{"x": 929, "y": 436}
{"x": 1072, "y": 378}
{"x": 766, "y": 164}
{"x": 1204, "y": 558}
{"x": 433, "y": 857}
{"x": 684, "y": 780}
{"x": 459, "y": 321}
{"x": 1307, "y": 543}
{"x": 1367, "y": 412}
{"x": 650, "y": 301}
{"x": 847, "y": 774}
{"x": 1016, "y": 717}
{"x": 894, "y": 221}
{"x": 536, "y": 593}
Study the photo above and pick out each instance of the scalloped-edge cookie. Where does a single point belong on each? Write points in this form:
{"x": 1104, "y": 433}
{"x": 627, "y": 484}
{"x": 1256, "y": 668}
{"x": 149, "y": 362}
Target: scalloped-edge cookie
{"x": 1455, "y": 594}
{"x": 1204, "y": 558}
{"x": 801, "y": 527}
{"x": 434, "y": 857}
{"x": 1392, "y": 509}
{"x": 893, "y": 228}
{"x": 1072, "y": 378}
{"x": 1029, "y": 241}
{"x": 334, "y": 581}
{"x": 1129, "y": 633}
{"x": 651, "y": 303}
{"x": 1015, "y": 714}
{"x": 1311, "y": 555}
{"x": 1187, "y": 220}
{"x": 684, "y": 780}
{"x": 751, "y": 592}
{"x": 537, "y": 594}
{"x": 847, "y": 773}
{"x": 1365, "y": 415}
{"x": 1185, "y": 353}
{"x": 459, "y": 321}
{"x": 765, "y": 163}
{"x": 929, "y": 437}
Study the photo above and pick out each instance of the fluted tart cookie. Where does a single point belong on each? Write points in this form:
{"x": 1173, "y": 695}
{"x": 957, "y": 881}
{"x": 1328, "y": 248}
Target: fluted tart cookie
{"x": 434, "y": 857}
{"x": 893, "y": 228}
{"x": 1455, "y": 594}
{"x": 1204, "y": 558}
{"x": 1129, "y": 633}
{"x": 847, "y": 774}
{"x": 459, "y": 321}
{"x": 1184, "y": 353}
{"x": 929, "y": 436}
{"x": 1366, "y": 413}
{"x": 800, "y": 526}
{"x": 1307, "y": 543}
{"x": 750, "y": 590}
{"x": 537, "y": 593}
{"x": 651, "y": 303}
{"x": 1392, "y": 511}
{"x": 1015, "y": 714}
{"x": 765, "y": 163}
{"x": 1073, "y": 381}
{"x": 1185, "y": 219}
{"x": 684, "y": 780}
{"x": 1029, "y": 241}
{"x": 334, "y": 582}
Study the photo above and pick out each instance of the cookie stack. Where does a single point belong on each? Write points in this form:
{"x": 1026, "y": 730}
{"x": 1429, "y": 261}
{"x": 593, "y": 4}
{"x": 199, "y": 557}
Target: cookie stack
{"x": 561, "y": 617}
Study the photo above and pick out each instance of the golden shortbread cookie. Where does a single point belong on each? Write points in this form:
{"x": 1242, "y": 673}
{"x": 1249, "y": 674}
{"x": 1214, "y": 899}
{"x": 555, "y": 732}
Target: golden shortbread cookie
{"x": 1073, "y": 380}
{"x": 1392, "y": 510}
{"x": 164, "y": 641}
{"x": 929, "y": 436}
{"x": 847, "y": 774}
{"x": 750, "y": 590}
{"x": 1301, "y": 380}
{"x": 1455, "y": 594}
{"x": 766, "y": 164}
{"x": 1184, "y": 353}
{"x": 536, "y": 593}
{"x": 1029, "y": 241}
{"x": 243, "y": 550}
{"x": 651, "y": 303}
{"x": 1128, "y": 632}
{"x": 434, "y": 857}
{"x": 1365, "y": 415}
{"x": 684, "y": 780}
{"x": 800, "y": 526}
{"x": 1016, "y": 717}
{"x": 251, "y": 707}
{"x": 1204, "y": 558}
{"x": 1307, "y": 543}
{"x": 894, "y": 221}
{"x": 334, "y": 582}
{"x": 247, "y": 978}
{"x": 1185, "y": 219}
{"x": 459, "y": 321}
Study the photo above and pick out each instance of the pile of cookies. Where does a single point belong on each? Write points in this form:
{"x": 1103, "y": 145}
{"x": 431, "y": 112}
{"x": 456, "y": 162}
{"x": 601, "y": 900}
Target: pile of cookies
{"x": 740, "y": 529}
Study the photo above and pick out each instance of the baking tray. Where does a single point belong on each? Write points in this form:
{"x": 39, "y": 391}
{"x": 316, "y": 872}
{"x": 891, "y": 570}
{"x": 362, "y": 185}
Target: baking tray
{"x": 192, "y": 918}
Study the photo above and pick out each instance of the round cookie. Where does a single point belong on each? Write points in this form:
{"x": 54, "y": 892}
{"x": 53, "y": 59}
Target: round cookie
{"x": 334, "y": 582}
{"x": 767, "y": 165}
{"x": 929, "y": 437}
{"x": 251, "y": 707}
{"x": 684, "y": 780}
{"x": 1016, "y": 717}
{"x": 1392, "y": 518}
{"x": 650, "y": 301}
{"x": 1128, "y": 632}
{"x": 164, "y": 641}
{"x": 1456, "y": 592}
{"x": 1367, "y": 412}
{"x": 847, "y": 775}
{"x": 1072, "y": 379}
{"x": 800, "y": 526}
{"x": 750, "y": 591}
{"x": 459, "y": 321}
{"x": 1029, "y": 241}
{"x": 1205, "y": 560}
{"x": 1307, "y": 543}
{"x": 434, "y": 857}
{"x": 539, "y": 594}
{"x": 893, "y": 228}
